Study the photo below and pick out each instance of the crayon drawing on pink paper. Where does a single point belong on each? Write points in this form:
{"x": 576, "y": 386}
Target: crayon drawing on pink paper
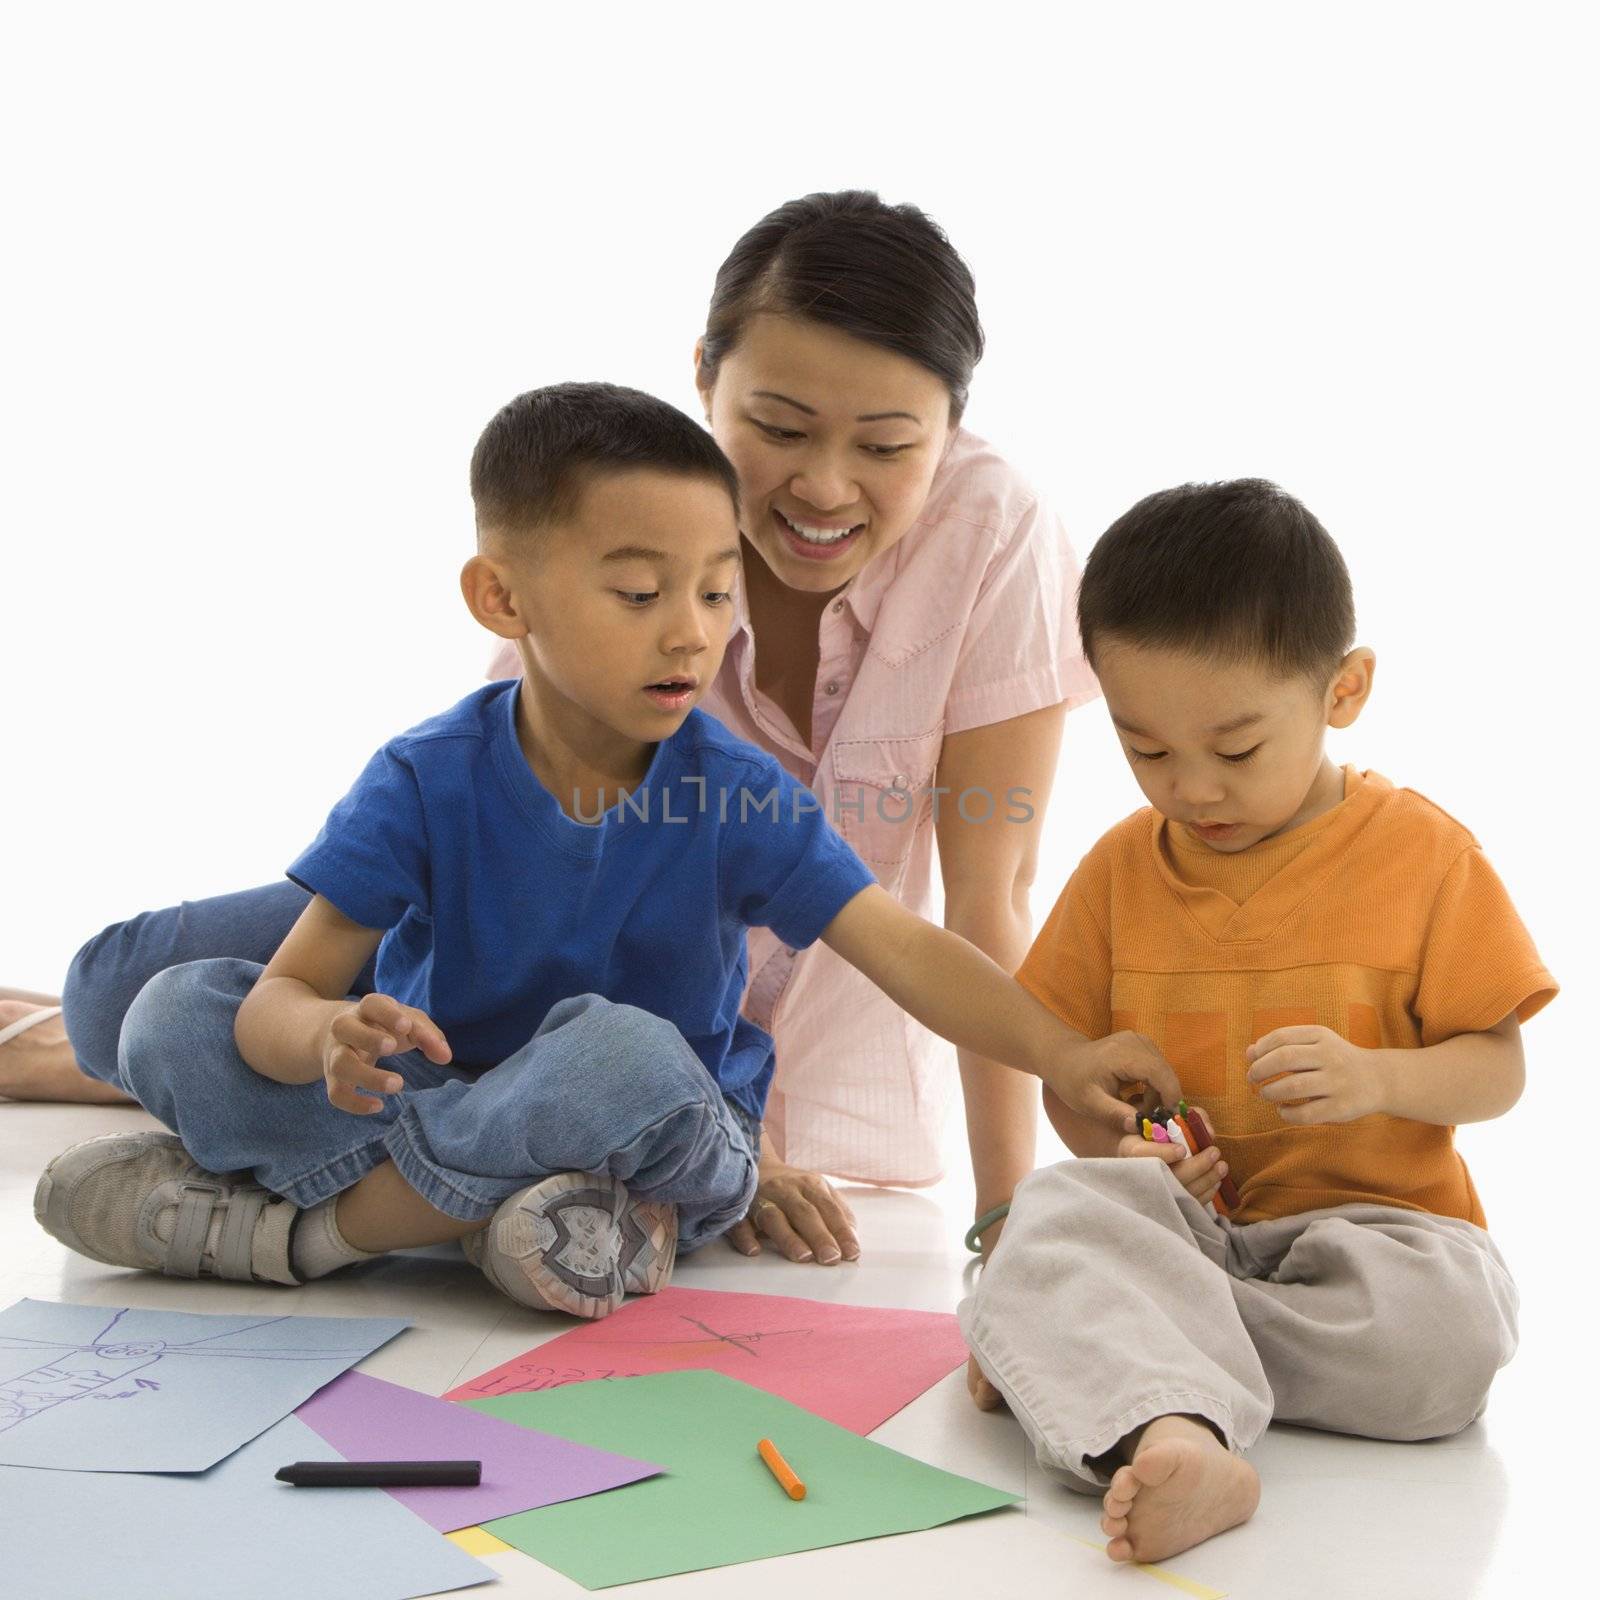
{"x": 854, "y": 1365}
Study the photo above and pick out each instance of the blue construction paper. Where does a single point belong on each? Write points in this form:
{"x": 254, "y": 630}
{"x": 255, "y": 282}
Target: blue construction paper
{"x": 108, "y": 1389}
{"x": 232, "y": 1533}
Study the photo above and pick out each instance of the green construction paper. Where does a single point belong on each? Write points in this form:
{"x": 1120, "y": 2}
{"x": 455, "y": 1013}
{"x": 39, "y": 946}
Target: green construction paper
{"x": 716, "y": 1503}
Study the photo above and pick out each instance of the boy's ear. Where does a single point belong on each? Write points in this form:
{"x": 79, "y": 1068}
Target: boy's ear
{"x": 1351, "y": 687}
{"x": 489, "y": 598}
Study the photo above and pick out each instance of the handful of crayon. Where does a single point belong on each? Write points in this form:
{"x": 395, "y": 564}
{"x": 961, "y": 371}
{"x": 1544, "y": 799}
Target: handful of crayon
{"x": 1186, "y": 1127}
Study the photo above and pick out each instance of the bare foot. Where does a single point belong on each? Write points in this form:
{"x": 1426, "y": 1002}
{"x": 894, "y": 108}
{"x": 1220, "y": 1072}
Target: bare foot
{"x": 38, "y": 1064}
{"x": 984, "y": 1394}
{"x": 1182, "y": 1485}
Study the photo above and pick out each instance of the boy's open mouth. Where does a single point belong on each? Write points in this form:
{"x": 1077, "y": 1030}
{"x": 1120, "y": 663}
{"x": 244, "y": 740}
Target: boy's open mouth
{"x": 672, "y": 694}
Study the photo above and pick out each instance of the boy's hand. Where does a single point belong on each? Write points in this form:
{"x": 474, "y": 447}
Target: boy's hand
{"x": 1090, "y": 1075}
{"x": 1314, "y": 1075}
{"x": 356, "y": 1039}
{"x": 1200, "y": 1174}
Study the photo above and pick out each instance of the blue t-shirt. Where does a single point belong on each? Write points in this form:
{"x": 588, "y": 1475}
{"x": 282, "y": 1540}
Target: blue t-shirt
{"x": 498, "y": 904}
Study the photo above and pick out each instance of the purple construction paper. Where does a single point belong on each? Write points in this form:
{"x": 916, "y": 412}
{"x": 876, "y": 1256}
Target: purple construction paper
{"x": 366, "y": 1419}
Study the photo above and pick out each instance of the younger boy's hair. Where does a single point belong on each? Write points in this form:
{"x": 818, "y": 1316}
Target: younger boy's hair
{"x": 1237, "y": 571}
{"x": 533, "y": 461}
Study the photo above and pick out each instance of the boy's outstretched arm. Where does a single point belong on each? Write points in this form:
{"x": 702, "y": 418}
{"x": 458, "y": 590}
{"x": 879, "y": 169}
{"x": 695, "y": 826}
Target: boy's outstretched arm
{"x": 298, "y": 1023}
{"x": 953, "y": 988}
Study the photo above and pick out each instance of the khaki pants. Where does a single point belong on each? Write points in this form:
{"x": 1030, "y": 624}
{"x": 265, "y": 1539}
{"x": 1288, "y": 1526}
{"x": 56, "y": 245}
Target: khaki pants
{"x": 1114, "y": 1297}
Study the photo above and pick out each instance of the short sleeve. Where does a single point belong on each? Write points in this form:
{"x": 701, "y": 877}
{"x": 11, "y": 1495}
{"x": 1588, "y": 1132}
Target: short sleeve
{"x": 1478, "y": 961}
{"x": 1068, "y": 968}
{"x": 783, "y": 866}
{"x": 1021, "y": 650}
{"x": 370, "y": 859}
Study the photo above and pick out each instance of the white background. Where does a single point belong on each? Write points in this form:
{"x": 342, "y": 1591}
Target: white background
{"x": 269, "y": 270}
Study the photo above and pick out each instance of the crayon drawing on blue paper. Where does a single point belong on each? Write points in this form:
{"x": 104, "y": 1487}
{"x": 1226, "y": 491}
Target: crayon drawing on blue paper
{"x": 99, "y": 1388}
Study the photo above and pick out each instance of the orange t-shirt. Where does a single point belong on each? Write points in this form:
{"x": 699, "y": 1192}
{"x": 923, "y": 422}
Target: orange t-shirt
{"x": 1381, "y": 919}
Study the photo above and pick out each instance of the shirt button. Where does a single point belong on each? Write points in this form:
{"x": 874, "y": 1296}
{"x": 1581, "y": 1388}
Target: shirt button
{"x": 838, "y": 606}
{"x": 831, "y": 688}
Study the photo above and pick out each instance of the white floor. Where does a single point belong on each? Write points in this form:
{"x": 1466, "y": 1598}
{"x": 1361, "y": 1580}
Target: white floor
{"x": 1339, "y": 1517}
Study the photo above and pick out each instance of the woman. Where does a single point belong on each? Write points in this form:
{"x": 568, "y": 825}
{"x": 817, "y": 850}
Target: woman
{"x": 905, "y": 645}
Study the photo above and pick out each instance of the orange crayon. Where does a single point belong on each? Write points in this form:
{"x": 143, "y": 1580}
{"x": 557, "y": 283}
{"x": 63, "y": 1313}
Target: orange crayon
{"x": 781, "y": 1470}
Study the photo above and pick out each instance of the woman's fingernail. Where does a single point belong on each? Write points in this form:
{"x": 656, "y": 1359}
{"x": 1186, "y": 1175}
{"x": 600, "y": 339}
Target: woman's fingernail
{"x": 805, "y": 1257}
{"x": 830, "y": 1257}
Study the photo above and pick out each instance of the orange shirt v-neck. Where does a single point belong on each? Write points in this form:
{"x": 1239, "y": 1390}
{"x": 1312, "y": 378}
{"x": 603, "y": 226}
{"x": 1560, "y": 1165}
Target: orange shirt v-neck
{"x": 1381, "y": 919}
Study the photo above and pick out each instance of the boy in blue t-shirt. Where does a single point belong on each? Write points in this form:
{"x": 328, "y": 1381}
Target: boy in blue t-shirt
{"x": 556, "y": 876}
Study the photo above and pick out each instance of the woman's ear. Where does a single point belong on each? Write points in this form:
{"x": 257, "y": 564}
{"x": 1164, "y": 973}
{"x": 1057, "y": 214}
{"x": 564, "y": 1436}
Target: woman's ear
{"x": 704, "y": 389}
{"x": 1351, "y": 687}
{"x": 487, "y": 591}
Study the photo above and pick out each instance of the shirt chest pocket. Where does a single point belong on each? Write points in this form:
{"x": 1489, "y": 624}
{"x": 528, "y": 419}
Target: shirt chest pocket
{"x": 882, "y": 793}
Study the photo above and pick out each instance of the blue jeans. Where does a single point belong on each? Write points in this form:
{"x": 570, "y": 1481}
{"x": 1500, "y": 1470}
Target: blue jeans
{"x": 107, "y": 974}
{"x": 600, "y": 1087}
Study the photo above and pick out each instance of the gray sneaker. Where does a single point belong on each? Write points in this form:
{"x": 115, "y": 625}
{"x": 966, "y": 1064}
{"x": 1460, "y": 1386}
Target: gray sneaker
{"x": 140, "y": 1200}
{"x": 576, "y": 1242}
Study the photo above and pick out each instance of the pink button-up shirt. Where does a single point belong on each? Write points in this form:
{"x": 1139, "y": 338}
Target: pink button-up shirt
{"x": 967, "y": 620}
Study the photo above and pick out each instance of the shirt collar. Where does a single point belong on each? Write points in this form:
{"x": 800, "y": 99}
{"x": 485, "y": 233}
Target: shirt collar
{"x": 863, "y": 594}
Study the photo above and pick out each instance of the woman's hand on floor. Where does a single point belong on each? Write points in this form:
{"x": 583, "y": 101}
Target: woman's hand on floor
{"x": 799, "y": 1215}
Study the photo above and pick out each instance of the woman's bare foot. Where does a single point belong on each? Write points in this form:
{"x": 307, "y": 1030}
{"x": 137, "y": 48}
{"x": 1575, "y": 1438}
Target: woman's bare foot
{"x": 1182, "y": 1485}
{"x": 38, "y": 1064}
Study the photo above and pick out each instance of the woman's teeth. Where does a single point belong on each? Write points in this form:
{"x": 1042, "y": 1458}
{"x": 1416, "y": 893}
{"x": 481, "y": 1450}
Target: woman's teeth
{"x": 818, "y": 535}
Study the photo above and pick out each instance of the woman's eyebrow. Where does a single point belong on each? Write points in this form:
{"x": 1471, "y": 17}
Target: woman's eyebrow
{"x": 868, "y": 416}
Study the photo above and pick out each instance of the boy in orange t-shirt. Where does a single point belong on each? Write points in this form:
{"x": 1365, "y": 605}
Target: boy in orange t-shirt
{"x": 1331, "y": 966}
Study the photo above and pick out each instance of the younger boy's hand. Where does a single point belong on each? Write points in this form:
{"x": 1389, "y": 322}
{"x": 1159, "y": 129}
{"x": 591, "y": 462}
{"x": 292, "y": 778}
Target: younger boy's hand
{"x": 1314, "y": 1075}
{"x": 1200, "y": 1174}
{"x": 359, "y": 1036}
{"x": 1090, "y": 1077}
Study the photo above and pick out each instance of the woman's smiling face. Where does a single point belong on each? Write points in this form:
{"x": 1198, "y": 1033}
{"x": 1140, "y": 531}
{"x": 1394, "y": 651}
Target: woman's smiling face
{"x": 836, "y": 442}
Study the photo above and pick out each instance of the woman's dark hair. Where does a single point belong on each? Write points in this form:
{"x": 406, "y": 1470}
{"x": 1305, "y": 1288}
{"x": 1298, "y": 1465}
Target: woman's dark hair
{"x": 531, "y": 463}
{"x": 1236, "y": 571}
{"x": 886, "y": 274}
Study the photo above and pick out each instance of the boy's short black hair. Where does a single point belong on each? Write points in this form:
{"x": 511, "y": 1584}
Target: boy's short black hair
{"x": 1238, "y": 571}
{"x": 532, "y": 462}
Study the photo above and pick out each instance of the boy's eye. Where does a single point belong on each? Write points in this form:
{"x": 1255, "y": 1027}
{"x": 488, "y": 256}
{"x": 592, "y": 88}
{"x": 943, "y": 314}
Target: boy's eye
{"x": 635, "y": 597}
{"x": 718, "y": 597}
{"x": 1242, "y": 756}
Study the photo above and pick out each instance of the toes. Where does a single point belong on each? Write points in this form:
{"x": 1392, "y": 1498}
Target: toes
{"x": 1120, "y": 1550}
{"x": 1114, "y": 1526}
{"x": 1153, "y": 1466}
{"x": 1125, "y": 1485}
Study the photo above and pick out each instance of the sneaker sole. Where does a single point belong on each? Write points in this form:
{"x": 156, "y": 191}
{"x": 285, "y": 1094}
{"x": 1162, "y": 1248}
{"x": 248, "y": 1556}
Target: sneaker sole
{"x": 649, "y": 1245}
{"x": 561, "y": 1240}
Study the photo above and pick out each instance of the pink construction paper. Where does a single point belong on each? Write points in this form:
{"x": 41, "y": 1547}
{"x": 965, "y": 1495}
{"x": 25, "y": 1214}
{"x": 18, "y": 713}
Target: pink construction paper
{"x": 854, "y": 1365}
{"x": 366, "y": 1419}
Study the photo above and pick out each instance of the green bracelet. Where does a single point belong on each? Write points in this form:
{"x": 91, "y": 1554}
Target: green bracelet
{"x": 987, "y": 1220}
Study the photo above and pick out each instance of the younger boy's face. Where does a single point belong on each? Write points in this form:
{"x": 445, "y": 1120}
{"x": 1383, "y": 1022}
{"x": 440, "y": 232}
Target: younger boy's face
{"x": 1229, "y": 752}
{"x": 627, "y": 602}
